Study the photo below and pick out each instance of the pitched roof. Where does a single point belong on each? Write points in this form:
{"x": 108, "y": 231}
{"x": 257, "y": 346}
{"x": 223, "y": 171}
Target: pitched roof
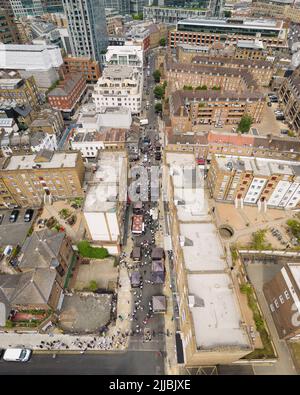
{"x": 41, "y": 249}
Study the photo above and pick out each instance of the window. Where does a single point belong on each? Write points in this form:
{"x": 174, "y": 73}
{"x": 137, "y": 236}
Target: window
{"x": 287, "y": 295}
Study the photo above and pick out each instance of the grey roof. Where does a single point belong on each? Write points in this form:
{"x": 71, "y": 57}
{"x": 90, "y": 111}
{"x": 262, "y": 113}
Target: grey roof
{"x": 29, "y": 288}
{"x": 41, "y": 249}
{"x": 157, "y": 253}
{"x": 157, "y": 266}
{"x": 158, "y": 277}
{"x": 159, "y": 303}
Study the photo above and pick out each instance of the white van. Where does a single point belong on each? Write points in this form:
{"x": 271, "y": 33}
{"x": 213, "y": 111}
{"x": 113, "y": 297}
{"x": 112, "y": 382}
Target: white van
{"x": 17, "y": 355}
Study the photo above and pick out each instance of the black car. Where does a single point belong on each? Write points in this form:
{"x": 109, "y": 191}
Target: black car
{"x": 1, "y": 218}
{"x": 14, "y": 215}
{"x": 28, "y": 215}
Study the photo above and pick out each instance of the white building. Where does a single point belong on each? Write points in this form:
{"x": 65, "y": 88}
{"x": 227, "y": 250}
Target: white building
{"x": 129, "y": 55}
{"x": 41, "y": 61}
{"x": 119, "y": 86}
{"x": 8, "y": 125}
{"x": 42, "y": 140}
{"x": 105, "y": 201}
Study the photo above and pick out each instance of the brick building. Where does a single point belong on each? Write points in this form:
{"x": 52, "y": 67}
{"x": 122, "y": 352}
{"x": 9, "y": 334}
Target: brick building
{"x": 67, "y": 94}
{"x": 212, "y": 107}
{"x": 289, "y": 94}
{"x": 282, "y": 293}
{"x": 85, "y": 66}
{"x": 30, "y": 180}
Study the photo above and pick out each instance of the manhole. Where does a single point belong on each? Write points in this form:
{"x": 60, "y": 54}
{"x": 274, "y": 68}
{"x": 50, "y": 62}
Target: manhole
{"x": 226, "y": 231}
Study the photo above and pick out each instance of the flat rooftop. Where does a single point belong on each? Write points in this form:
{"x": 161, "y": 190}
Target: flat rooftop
{"x": 188, "y": 185}
{"x": 105, "y": 135}
{"x": 108, "y": 183}
{"x": 215, "y": 312}
{"x": 243, "y": 23}
{"x": 212, "y": 301}
{"x": 202, "y": 249}
{"x": 118, "y": 71}
{"x": 58, "y": 160}
{"x": 259, "y": 166}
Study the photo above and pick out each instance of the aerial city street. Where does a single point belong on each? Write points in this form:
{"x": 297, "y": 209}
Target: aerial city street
{"x": 149, "y": 187}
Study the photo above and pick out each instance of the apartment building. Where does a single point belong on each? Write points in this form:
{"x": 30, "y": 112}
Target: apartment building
{"x": 289, "y": 94}
{"x": 9, "y": 32}
{"x": 90, "y": 143}
{"x": 30, "y": 180}
{"x": 259, "y": 181}
{"x": 282, "y": 293}
{"x": 250, "y": 50}
{"x": 67, "y": 94}
{"x": 210, "y": 321}
{"x": 105, "y": 201}
{"x": 21, "y": 91}
{"x": 119, "y": 86}
{"x": 89, "y": 68}
{"x": 205, "y": 144}
{"x": 179, "y": 75}
{"x": 261, "y": 70}
{"x": 228, "y": 31}
{"x": 279, "y": 11}
{"x": 126, "y": 55}
{"x": 87, "y": 27}
{"x": 171, "y": 15}
{"x": 40, "y": 61}
{"x": 212, "y": 107}
{"x": 49, "y": 121}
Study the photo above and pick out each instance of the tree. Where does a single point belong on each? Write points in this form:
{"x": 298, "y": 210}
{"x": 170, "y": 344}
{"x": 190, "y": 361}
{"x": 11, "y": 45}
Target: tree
{"x": 137, "y": 17}
{"x": 159, "y": 92}
{"x": 201, "y": 88}
{"x": 227, "y": 14}
{"x": 259, "y": 240}
{"x": 245, "y": 123}
{"x": 216, "y": 88}
{"x": 158, "y": 107}
{"x": 156, "y": 75}
{"x": 93, "y": 286}
{"x": 162, "y": 42}
{"x": 187, "y": 88}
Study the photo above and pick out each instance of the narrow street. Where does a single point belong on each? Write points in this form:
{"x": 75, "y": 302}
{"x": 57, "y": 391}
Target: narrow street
{"x": 142, "y": 316}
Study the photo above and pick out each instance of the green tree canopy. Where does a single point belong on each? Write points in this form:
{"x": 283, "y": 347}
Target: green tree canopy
{"x": 187, "y": 88}
{"x": 162, "y": 42}
{"x": 158, "y": 107}
{"x": 245, "y": 123}
{"x": 156, "y": 75}
{"x": 159, "y": 92}
{"x": 201, "y": 88}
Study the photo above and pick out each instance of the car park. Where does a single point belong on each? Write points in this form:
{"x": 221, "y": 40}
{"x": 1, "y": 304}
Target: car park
{"x": 14, "y": 216}
{"x": 17, "y": 355}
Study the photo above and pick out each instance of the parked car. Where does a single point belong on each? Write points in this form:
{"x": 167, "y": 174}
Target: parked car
{"x": 17, "y": 355}
{"x": 14, "y": 215}
{"x": 1, "y": 352}
{"x": 1, "y": 218}
{"x": 28, "y": 215}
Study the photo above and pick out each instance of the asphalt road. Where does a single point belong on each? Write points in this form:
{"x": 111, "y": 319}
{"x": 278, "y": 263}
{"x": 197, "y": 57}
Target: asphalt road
{"x": 129, "y": 363}
{"x": 142, "y": 316}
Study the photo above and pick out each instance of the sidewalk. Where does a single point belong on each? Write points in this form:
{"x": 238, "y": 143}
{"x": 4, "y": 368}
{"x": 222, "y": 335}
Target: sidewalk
{"x": 171, "y": 366}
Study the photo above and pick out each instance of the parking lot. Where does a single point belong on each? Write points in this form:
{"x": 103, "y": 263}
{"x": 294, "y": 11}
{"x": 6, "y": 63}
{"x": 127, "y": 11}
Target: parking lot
{"x": 14, "y": 233}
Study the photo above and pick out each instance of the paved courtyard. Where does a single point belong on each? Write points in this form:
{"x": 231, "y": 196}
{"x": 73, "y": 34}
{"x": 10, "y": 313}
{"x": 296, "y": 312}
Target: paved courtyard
{"x": 85, "y": 312}
{"x": 102, "y": 271}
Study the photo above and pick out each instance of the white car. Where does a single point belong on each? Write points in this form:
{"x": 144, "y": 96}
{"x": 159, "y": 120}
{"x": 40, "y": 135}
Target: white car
{"x": 17, "y": 355}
